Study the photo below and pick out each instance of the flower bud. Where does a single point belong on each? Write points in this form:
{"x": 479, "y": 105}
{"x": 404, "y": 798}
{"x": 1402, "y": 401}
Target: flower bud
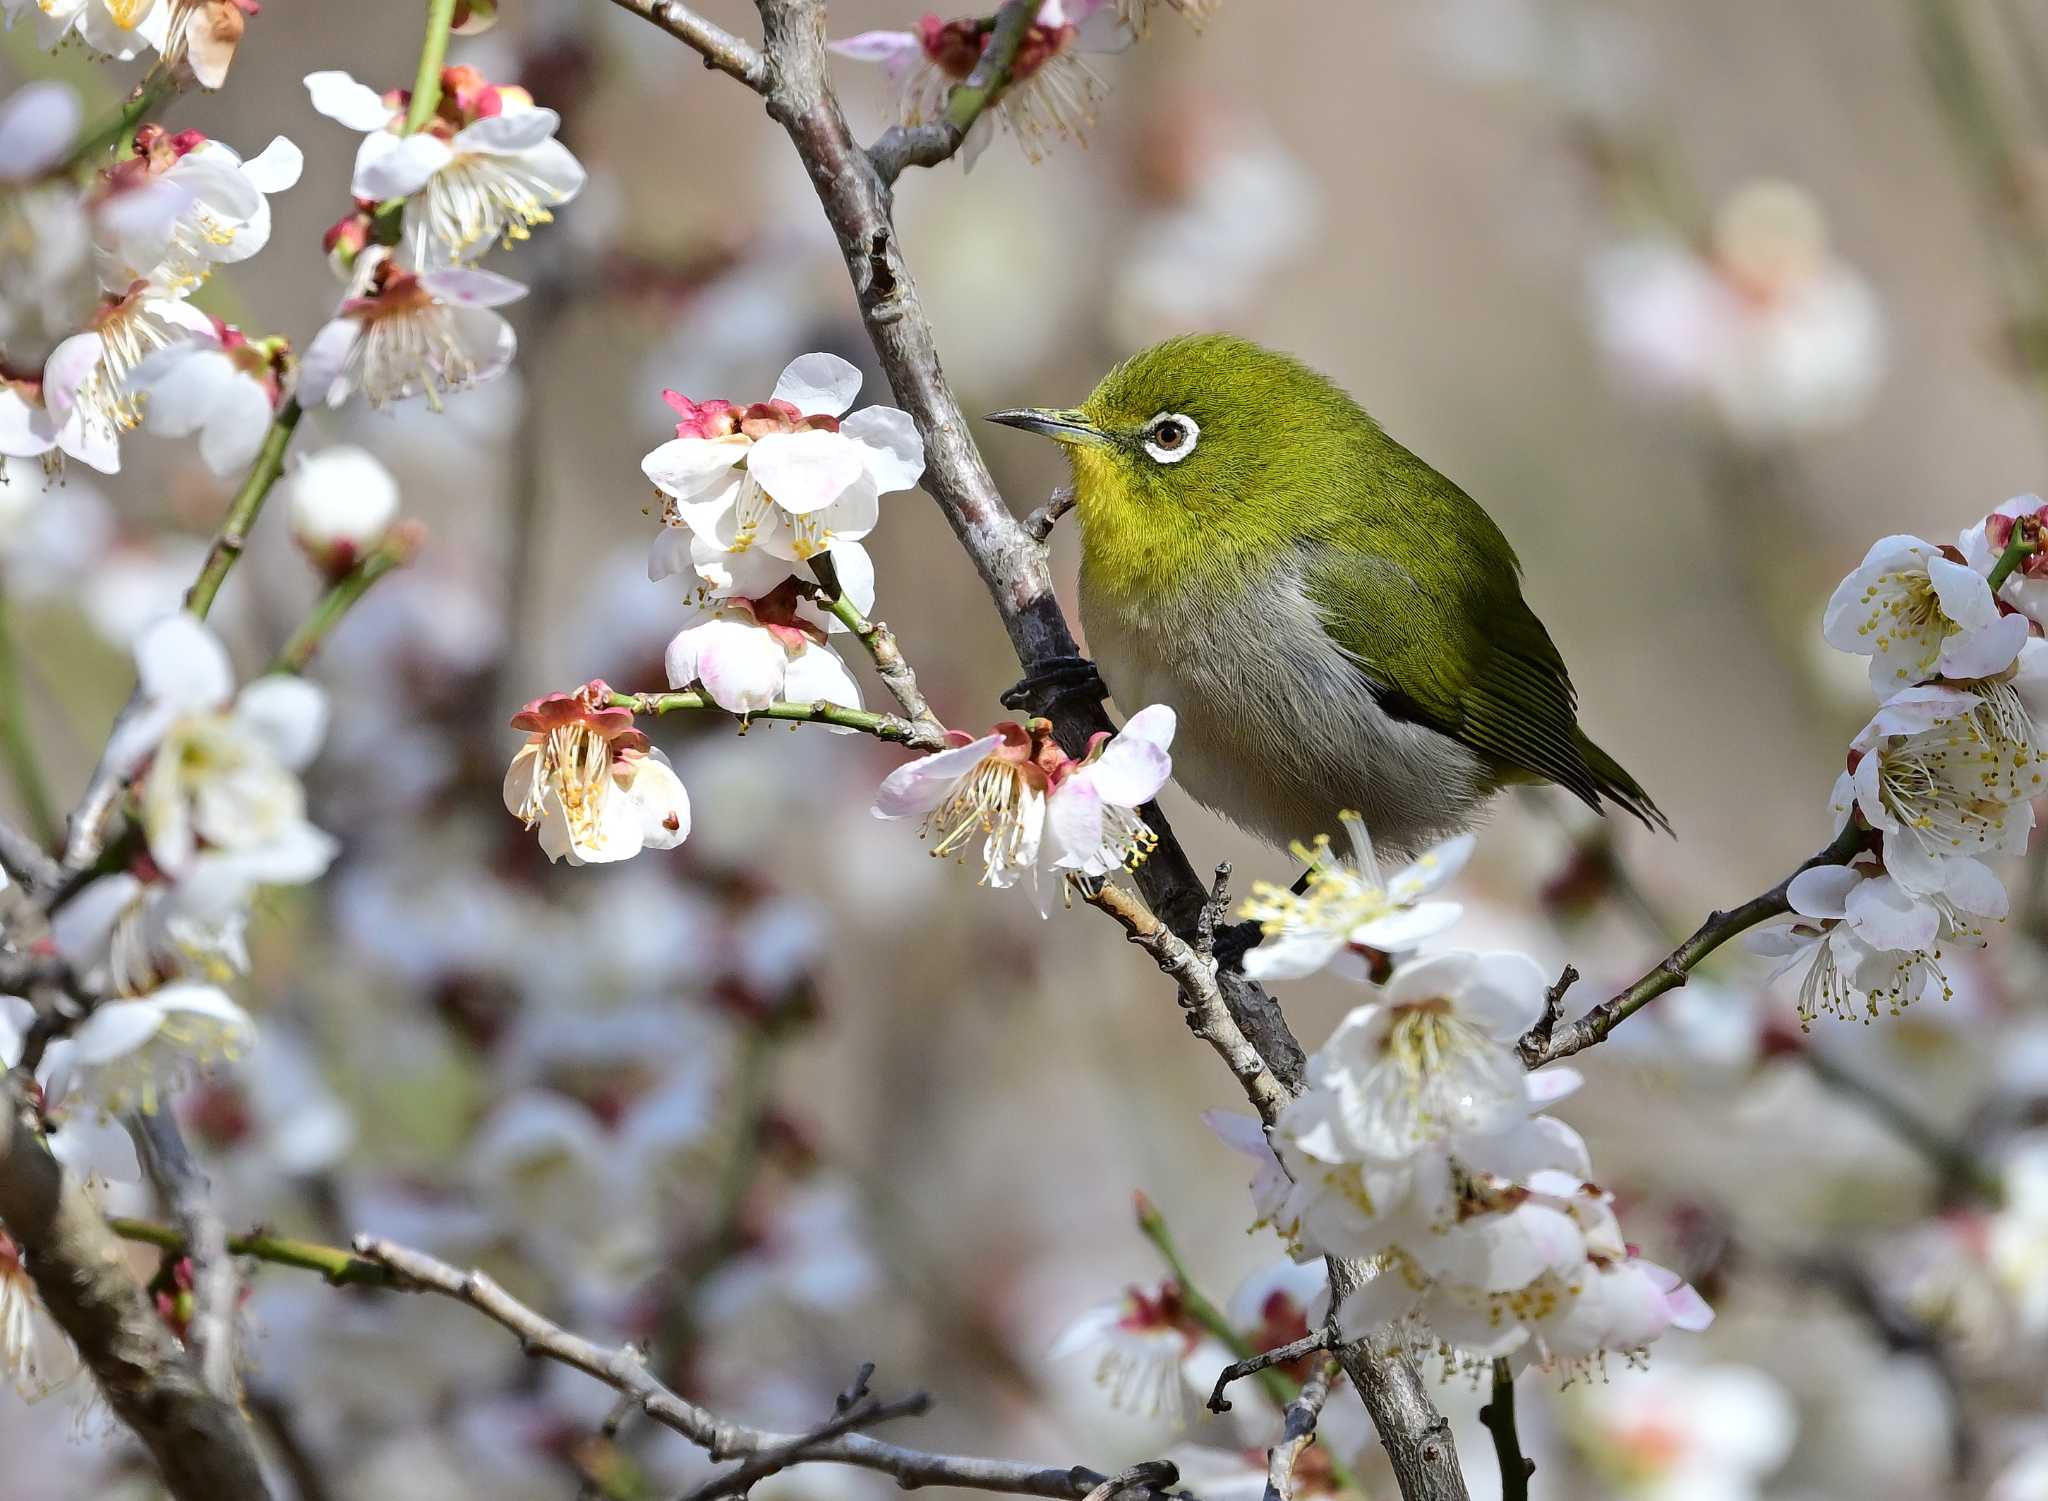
{"x": 342, "y": 503}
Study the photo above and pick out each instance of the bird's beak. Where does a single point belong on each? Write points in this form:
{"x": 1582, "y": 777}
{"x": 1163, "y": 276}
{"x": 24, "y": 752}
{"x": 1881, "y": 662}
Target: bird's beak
{"x": 1070, "y": 426}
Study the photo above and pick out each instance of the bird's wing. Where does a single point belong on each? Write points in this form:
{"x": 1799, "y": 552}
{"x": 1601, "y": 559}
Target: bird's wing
{"x": 1450, "y": 643}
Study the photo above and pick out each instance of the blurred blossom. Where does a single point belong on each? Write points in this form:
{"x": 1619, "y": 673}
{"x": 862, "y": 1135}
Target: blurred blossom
{"x": 37, "y": 124}
{"x": 1585, "y": 55}
{"x": 1767, "y": 328}
{"x": 2024, "y": 1478}
{"x": 1678, "y": 1432}
{"x": 1228, "y": 207}
{"x": 1052, "y": 91}
{"x": 2017, "y": 1238}
{"x": 341, "y": 501}
{"x": 1147, "y": 1353}
{"x": 35, "y": 1355}
{"x": 139, "y": 581}
{"x": 87, "y": 398}
{"x": 811, "y": 1252}
{"x": 121, "y": 29}
{"x": 267, "y": 1121}
{"x": 485, "y": 168}
{"x": 133, "y": 1054}
{"x": 50, "y": 535}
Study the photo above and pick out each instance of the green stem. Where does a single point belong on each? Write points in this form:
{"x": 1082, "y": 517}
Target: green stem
{"x": 2023, "y": 544}
{"x": 991, "y": 73}
{"x": 339, "y": 1267}
{"x": 233, "y": 535}
{"x": 117, "y": 132}
{"x": 426, "y": 85}
{"x": 339, "y": 599}
{"x": 881, "y": 726}
{"x": 18, "y": 748}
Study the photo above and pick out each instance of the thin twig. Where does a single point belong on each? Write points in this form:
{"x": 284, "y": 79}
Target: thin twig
{"x": 233, "y": 535}
{"x": 27, "y": 862}
{"x": 1308, "y": 1344}
{"x": 930, "y": 144}
{"x": 1547, "y": 1043}
{"x": 880, "y": 644}
{"x": 854, "y": 1418}
{"x": 200, "y": 1443}
{"x": 216, "y": 1290}
{"x": 1297, "y": 1432}
{"x": 17, "y": 742}
{"x": 343, "y": 595}
{"x": 624, "y": 1370}
{"x": 1499, "y": 1417}
{"x": 890, "y": 727}
{"x": 719, "y": 48}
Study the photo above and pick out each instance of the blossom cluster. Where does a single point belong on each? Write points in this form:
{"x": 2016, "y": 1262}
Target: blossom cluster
{"x": 1943, "y": 776}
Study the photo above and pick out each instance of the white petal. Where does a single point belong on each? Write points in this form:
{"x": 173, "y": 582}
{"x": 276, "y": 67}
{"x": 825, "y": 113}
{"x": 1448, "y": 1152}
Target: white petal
{"x": 891, "y": 445}
{"x": 879, "y": 46}
{"x": 37, "y": 123}
{"x": 339, "y": 97}
{"x": 685, "y": 468}
{"x": 1504, "y": 993}
{"x": 1073, "y": 816}
{"x": 389, "y": 166}
{"x": 817, "y": 675}
{"x": 1291, "y": 956}
{"x": 922, "y": 785}
{"x": 180, "y": 663}
{"x": 508, "y": 134}
{"x": 1965, "y": 596}
{"x": 236, "y": 428}
{"x": 1134, "y": 765}
{"x": 818, "y": 384}
{"x": 183, "y": 383}
{"x": 740, "y": 665}
{"x": 1982, "y": 653}
{"x": 805, "y": 471}
{"x": 662, "y": 800}
{"x": 324, "y": 360}
{"x": 1823, "y": 891}
{"x": 276, "y": 167}
{"x": 1408, "y": 927}
{"x": 467, "y": 286}
{"x": 288, "y": 714}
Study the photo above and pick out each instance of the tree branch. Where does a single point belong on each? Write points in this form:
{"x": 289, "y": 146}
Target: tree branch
{"x": 719, "y": 48}
{"x": 200, "y": 1443}
{"x": 216, "y": 1290}
{"x": 1499, "y": 1417}
{"x": 881, "y": 726}
{"x": 1297, "y": 1432}
{"x": 1547, "y": 1042}
{"x": 624, "y": 1370}
{"x": 931, "y": 144}
{"x": 1308, "y": 1344}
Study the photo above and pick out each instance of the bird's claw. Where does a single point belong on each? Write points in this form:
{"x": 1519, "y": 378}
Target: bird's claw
{"x": 1055, "y": 681}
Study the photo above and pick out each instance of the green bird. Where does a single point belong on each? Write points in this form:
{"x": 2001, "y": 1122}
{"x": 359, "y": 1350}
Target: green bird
{"x": 1338, "y": 626}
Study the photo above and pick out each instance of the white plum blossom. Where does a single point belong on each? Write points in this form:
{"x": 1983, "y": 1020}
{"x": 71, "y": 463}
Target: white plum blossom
{"x": 1147, "y": 1354}
{"x": 342, "y": 503}
{"x": 219, "y": 385}
{"x": 485, "y": 168}
{"x": 131, "y": 1054}
{"x": 1092, "y": 813}
{"x": 88, "y": 396}
{"x": 35, "y": 1355}
{"x": 1940, "y": 773}
{"x": 1865, "y": 941}
{"x": 748, "y": 654}
{"x": 1052, "y": 91}
{"x": 1008, "y": 784}
{"x": 752, "y": 492}
{"x": 422, "y": 334}
{"x": 184, "y": 204}
{"x": 1917, "y": 615}
{"x": 122, "y": 29}
{"x": 591, "y": 783}
{"x": 216, "y": 773}
{"x": 1774, "y": 333}
{"x": 1350, "y": 903}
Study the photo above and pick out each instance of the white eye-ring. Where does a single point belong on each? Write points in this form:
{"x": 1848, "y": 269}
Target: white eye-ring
{"x": 1170, "y": 437}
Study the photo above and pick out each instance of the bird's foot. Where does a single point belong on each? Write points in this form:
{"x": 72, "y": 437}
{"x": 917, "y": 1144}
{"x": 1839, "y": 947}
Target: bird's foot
{"x": 1232, "y": 943}
{"x": 1056, "y": 681}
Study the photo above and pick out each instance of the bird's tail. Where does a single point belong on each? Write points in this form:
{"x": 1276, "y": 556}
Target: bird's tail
{"x": 1617, "y": 784}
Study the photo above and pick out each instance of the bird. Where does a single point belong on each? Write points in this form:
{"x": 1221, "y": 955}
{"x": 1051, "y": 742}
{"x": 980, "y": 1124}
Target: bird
{"x": 1339, "y": 628}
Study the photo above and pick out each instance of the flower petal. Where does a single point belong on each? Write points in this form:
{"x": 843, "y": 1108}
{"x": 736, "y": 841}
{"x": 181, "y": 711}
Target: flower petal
{"x": 805, "y": 471}
{"x": 818, "y": 384}
{"x": 922, "y": 785}
{"x": 891, "y": 446}
{"x": 339, "y": 97}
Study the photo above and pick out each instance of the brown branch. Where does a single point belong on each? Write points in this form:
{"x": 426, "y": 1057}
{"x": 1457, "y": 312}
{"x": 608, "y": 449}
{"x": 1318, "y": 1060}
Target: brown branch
{"x": 1499, "y": 1417}
{"x": 930, "y": 144}
{"x": 1416, "y": 1436}
{"x": 624, "y": 1370}
{"x": 216, "y": 1290}
{"x": 1308, "y": 1344}
{"x": 199, "y": 1442}
{"x": 719, "y": 48}
{"x": 1297, "y": 1432}
{"x": 1547, "y": 1042}
{"x": 1201, "y": 1000}
{"x": 1039, "y": 524}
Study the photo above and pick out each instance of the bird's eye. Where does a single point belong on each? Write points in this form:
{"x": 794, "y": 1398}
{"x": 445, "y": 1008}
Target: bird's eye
{"x": 1170, "y": 437}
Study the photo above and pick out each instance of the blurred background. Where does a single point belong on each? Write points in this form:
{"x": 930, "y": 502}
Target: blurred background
{"x": 1698, "y": 301}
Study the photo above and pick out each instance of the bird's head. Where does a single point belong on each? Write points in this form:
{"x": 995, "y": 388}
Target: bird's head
{"x": 1195, "y": 436}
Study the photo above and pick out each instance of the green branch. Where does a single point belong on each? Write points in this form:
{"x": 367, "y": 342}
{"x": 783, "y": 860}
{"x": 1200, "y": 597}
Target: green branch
{"x": 928, "y": 145}
{"x": 233, "y": 535}
{"x": 881, "y": 726}
{"x": 426, "y": 85}
{"x": 18, "y": 747}
{"x": 117, "y": 132}
{"x": 394, "y": 552}
{"x": 339, "y": 1267}
{"x": 2025, "y": 542}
